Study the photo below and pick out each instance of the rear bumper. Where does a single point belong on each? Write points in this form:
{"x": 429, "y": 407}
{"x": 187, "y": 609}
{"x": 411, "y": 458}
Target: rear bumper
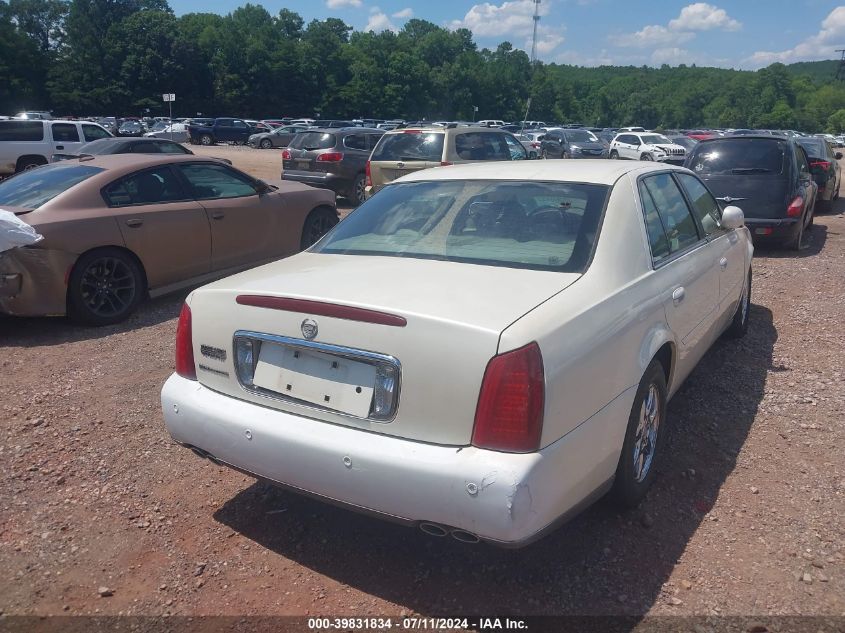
{"x": 335, "y": 182}
{"x": 509, "y": 499}
{"x": 777, "y": 229}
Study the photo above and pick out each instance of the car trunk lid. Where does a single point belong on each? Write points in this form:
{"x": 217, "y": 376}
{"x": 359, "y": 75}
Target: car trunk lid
{"x": 420, "y": 314}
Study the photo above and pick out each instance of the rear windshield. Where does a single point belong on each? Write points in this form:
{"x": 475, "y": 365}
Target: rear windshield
{"x": 32, "y": 188}
{"x": 313, "y": 140}
{"x": 21, "y": 131}
{"x": 582, "y": 136}
{"x": 739, "y": 156}
{"x": 411, "y": 145}
{"x": 651, "y": 139}
{"x": 815, "y": 147}
{"x": 536, "y": 225}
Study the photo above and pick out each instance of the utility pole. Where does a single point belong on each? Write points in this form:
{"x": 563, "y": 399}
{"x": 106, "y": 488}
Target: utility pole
{"x": 534, "y": 38}
{"x": 840, "y": 72}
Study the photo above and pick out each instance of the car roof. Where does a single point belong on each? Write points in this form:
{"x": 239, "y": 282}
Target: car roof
{"x": 597, "y": 171}
{"x": 118, "y": 164}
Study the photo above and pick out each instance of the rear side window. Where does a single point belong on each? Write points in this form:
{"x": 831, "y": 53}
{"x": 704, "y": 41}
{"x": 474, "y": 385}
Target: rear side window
{"x": 145, "y": 148}
{"x": 657, "y": 240}
{"x": 740, "y": 156}
{"x": 172, "y": 148}
{"x": 674, "y": 213}
{"x": 214, "y": 182}
{"x": 21, "y": 131}
{"x": 65, "y": 133}
{"x": 481, "y": 146}
{"x": 153, "y": 186}
{"x": 356, "y": 141}
{"x": 313, "y": 140}
{"x": 410, "y": 146}
{"x": 704, "y": 205}
{"x": 32, "y": 188}
{"x": 94, "y": 132}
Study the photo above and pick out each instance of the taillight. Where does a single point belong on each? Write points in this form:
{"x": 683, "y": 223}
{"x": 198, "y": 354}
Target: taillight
{"x": 509, "y": 415}
{"x": 445, "y": 163}
{"x": 795, "y": 207}
{"x": 286, "y": 154}
{"x": 824, "y": 164}
{"x": 185, "y": 345}
{"x": 330, "y": 157}
{"x": 369, "y": 175}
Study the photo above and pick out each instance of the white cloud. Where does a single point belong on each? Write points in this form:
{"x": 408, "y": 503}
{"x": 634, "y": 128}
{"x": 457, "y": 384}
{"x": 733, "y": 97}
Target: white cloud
{"x": 512, "y": 19}
{"x": 653, "y": 35}
{"x": 380, "y": 22}
{"x": 404, "y": 13}
{"x": 341, "y": 4}
{"x": 701, "y": 16}
{"x": 672, "y": 56}
{"x": 819, "y": 46}
{"x": 509, "y": 18}
{"x": 698, "y": 16}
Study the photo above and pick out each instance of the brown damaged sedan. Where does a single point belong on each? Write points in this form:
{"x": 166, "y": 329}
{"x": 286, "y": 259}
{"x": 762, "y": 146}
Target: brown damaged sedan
{"x": 121, "y": 228}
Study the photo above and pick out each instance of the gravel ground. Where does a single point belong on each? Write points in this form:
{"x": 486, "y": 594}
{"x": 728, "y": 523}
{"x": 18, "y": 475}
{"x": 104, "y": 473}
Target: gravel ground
{"x": 100, "y": 513}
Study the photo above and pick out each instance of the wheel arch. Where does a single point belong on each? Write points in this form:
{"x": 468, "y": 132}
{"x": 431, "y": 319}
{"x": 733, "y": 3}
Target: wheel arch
{"x": 104, "y": 247}
{"x": 26, "y": 158}
{"x": 660, "y": 345}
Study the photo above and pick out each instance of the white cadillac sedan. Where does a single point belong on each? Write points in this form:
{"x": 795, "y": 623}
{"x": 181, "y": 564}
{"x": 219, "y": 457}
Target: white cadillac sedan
{"x": 478, "y": 350}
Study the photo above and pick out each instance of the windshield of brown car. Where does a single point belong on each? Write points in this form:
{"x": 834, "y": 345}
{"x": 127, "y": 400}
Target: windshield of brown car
{"x": 32, "y": 188}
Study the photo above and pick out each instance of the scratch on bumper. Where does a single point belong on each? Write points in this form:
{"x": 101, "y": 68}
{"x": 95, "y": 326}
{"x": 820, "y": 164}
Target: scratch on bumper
{"x": 32, "y": 281}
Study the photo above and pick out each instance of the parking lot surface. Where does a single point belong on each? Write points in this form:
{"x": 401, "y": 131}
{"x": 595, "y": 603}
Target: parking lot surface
{"x": 745, "y": 518}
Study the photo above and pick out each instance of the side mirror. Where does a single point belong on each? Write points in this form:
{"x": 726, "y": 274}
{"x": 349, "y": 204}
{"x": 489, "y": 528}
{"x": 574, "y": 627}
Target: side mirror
{"x": 733, "y": 218}
{"x": 262, "y": 187}
{"x": 838, "y": 155}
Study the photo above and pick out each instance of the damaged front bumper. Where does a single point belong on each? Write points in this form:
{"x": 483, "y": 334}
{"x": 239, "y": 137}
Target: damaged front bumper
{"x": 32, "y": 281}
{"x": 506, "y": 498}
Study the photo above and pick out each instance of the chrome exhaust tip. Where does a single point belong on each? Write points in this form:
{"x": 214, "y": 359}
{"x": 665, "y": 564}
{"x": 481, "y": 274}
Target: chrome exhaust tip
{"x": 432, "y": 529}
{"x": 464, "y": 537}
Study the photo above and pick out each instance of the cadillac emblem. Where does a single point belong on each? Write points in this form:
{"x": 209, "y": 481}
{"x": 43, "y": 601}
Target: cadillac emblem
{"x": 309, "y": 328}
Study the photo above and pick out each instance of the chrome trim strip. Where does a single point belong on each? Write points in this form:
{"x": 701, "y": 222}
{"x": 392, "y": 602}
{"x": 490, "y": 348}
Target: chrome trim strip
{"x": 372, "y": 358}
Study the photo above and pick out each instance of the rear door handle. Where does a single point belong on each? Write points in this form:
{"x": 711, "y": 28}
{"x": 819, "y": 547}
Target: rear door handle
{"x": 217, "y": 215}
{"x": 678, "y": 295}
{"x": 134, "y": 222}
{"x": 723, "y": 263}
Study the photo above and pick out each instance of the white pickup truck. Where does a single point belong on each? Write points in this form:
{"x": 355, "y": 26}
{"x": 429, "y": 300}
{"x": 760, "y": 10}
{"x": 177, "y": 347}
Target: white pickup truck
{"x": 25, "y": 144}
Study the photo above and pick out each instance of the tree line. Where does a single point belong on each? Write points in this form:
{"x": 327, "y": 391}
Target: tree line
{"x": 116, "y": 58}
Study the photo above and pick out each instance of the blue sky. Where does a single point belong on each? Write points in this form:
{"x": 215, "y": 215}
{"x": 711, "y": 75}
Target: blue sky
{"x": 736, "y": 33}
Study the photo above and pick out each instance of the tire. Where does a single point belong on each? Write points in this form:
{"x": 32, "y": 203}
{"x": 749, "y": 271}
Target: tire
{"x": 317, "y": 224}
{"x": 206, "y": 139}
{"x": 532, "y": 155}
{"x": 25, "y": 164}
{"x": 266, "y": 143}
{"x": 646, "y": 156}
{"x": 544, "y": 155}
{"x": 614, "y": 155}
{"x": 796, "y": 242}
{"x": 92, "y": 303}
{"x": 566, "y": 155}
{"x": 359, "y": 190}
{"x": 644, "y": 437}
{"x": 739, "y": 324}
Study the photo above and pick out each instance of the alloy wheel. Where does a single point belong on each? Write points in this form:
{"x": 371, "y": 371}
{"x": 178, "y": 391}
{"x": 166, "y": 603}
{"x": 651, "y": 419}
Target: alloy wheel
{"x": 108, "y": 287}
{"x": 645, "y": 441}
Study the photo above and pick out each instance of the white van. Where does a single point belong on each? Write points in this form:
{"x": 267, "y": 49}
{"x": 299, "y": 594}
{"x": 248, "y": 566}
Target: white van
{"x": 25, "y": 144}
{"x": 491, "y": 123}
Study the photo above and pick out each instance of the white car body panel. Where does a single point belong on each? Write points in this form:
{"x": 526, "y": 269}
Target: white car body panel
{"x": 597, "y": 332}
